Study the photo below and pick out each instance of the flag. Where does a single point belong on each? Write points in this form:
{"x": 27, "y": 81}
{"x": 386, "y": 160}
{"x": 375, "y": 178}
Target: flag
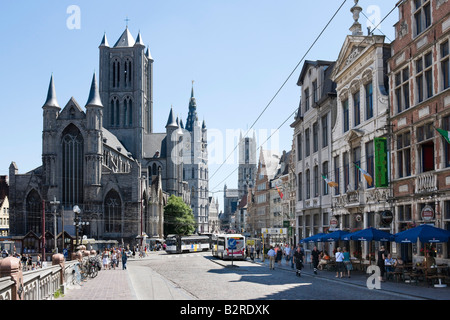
{"x": 366, "y": 175}
{"x": 279, "y": 192}
{"x": 329, "y": 182}
{"x": 444, "y": 133}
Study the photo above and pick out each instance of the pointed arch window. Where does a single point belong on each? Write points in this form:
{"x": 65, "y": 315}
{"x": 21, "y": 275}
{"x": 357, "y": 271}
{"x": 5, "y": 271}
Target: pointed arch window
{"x": 34, "y": 212}
{"x": 114, "y": 112}
{"x": 113, "y": 212}
{"x": 128, "y": 112}
{"x": 72, "y": 165}
{"x": 127, "y": 72}
{"x": 115, "y": 73}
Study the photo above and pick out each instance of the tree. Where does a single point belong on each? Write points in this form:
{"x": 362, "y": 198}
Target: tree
{"x": 178, "y": 217}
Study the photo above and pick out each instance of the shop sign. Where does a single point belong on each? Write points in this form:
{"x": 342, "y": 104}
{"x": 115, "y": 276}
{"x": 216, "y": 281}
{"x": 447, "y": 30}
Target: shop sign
{"x": 427, "y": 213}
{"x": 333, "y": 223}
{"x": 387, "y": 217}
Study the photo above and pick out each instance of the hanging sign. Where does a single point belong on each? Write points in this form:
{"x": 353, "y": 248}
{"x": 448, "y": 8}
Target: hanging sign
{"x": 427, "y": 213}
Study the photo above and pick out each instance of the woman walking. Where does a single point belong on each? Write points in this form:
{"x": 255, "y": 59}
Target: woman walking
{"x": 347, "y": 263}
{"x": 380, "y": 262}
{"x": 339, "y": 262}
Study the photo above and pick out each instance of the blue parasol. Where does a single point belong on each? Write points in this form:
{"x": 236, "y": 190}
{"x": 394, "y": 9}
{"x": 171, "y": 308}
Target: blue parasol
{"x": 334, "y": 236}
{"x": 425, "y": 233}
{"x": 370, "y": 234}
{"x": 314, "y": 238}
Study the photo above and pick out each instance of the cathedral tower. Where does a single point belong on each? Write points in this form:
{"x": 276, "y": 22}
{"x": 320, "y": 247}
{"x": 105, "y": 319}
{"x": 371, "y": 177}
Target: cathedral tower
{"x": 126, "y": 89}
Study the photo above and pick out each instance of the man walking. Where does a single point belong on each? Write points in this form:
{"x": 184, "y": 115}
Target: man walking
{"x": 271, "y": 253}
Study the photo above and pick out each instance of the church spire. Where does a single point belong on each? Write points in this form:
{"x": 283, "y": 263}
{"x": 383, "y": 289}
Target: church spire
{"x": 104, "y": 42}
{"x": 51, "y": 96}
{"x": 94, "y": 96}
{"x": 192, "y": 115}
{"x": 171, "y": 121}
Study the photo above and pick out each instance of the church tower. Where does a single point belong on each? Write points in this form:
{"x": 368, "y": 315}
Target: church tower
{"x": 126, "y": 89}
{"x": 247, "y": 164}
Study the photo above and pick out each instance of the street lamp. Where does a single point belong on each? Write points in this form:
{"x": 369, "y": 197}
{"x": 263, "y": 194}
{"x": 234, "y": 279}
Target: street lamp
{"x": 55, "y": 203}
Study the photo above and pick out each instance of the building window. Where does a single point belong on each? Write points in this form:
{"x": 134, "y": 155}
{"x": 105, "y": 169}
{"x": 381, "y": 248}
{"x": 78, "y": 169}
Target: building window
{"x": 345, "y": 114}
{"x": 402, "y": 89}
{"x": 299, "y": 147}
{"x": 315, "y": 137}
{"x": 308, "y": 184}
{"x": 424, "y": 77}
{"x": 404, "y": 213}
{"x": 300, "y": 186}
{"x": 445, "y": 69}
{"x": 369, "y": 100}
{"x": 72, "y": 166}
{"x": 128, "y": 112}
{"x": 357, "y": 161}
{"x": 114, "y": 112}
{"x": 34, "y": 213}
{"x": 306, "y": 94}
{"x": 324, "y": 131}
{"x": 315, "y": 92}
{"x": 356, "y": 109}
{"x": 316, "y": 181}
{"x": 422, "y": 15}
{"x": 112, "y": 211}
{"x": 370, "y": 160}
{"x": 445, "y": 144}
{"x": 326, "y": 174}
{"x": 346, "y": 171}
{"x": 404, "y": 155}
{"x": 307, "y": 143}
{"x": 336, "y": 175}
{"x": 425, "y": 145}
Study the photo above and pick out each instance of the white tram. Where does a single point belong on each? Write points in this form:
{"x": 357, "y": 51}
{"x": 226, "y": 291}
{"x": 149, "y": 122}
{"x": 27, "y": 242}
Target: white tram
{"x": 180, "y": 244}
{"x": 220, "y": 246}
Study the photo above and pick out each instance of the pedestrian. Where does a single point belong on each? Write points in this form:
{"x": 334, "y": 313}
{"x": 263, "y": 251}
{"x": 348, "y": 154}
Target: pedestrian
{"x": 298, "y": 257}
{"x": 105, "y": 257}
{"x": 114, "y": 259}
{"x": 252, "y": 253}
{"x": 271, "y": 254}
{"x": 124, "y": 261}
{"x": 380, "y": 262}
{"x": 347, "y": 263}
{"x": 258, "y": 250}
{"x": 30, "y": 262}
{"x": 315, "y": 258}
{"x": 339, "y": 262}
{"x": 279, "y": 255}
{"x": 38, "y": 261}
{"x": 287, "y": 254}
{"x": 291, "y": 255}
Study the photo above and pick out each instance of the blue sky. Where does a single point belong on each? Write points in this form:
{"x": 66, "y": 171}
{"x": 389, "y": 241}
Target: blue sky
{"x": 239, "y": 53}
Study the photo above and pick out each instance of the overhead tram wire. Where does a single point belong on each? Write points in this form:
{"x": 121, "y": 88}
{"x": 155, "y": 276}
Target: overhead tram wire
{"x": 284, "y": 83}
{"x": 376, "y": 27}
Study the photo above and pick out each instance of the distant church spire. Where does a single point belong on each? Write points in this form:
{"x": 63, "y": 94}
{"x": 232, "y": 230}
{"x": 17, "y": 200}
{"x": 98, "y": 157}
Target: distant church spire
{"x": 192, "y": 115}
{"x": 51, "y": 95}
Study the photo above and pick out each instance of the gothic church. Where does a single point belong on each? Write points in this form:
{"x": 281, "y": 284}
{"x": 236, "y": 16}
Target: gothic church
{"x": 107, "y": 160}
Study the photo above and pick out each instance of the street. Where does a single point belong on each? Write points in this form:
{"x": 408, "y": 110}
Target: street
{"x": 203, "y": 277}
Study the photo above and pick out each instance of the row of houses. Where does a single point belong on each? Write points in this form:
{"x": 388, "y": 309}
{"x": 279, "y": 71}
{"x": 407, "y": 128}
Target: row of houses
{"x": 370, "y": 139}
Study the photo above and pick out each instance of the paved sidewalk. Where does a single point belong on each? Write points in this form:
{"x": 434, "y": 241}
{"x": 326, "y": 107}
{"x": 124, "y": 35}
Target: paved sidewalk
{"x": 108, "y": 285}
{"x": 359, "y": 278}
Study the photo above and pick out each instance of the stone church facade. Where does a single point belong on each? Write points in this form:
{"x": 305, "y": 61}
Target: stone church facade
{"x": 106, "y": 159}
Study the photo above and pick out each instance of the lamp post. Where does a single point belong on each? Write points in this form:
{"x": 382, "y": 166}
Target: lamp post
{"x": 77, "y": 211}
{"x": 54, "y": 203}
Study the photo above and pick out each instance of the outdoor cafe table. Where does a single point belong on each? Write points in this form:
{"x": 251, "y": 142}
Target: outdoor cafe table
{"x": 433, "y": 272}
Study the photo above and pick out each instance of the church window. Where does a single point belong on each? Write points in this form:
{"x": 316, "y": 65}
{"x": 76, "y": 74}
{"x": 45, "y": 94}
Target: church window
{"x": 72, "y": 165}
{"x": 112, "y": 212}
{"x": 154, "y": 172}
{"x": 34, "y": 212}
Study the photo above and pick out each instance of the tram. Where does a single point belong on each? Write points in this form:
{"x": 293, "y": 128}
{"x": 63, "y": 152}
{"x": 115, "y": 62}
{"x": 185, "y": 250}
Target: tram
{"x": 220, "y": 246}
{"x": 180, "y": 244}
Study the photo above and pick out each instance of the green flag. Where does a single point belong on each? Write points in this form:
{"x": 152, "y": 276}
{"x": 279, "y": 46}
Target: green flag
{"x": 444, "y": 133}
